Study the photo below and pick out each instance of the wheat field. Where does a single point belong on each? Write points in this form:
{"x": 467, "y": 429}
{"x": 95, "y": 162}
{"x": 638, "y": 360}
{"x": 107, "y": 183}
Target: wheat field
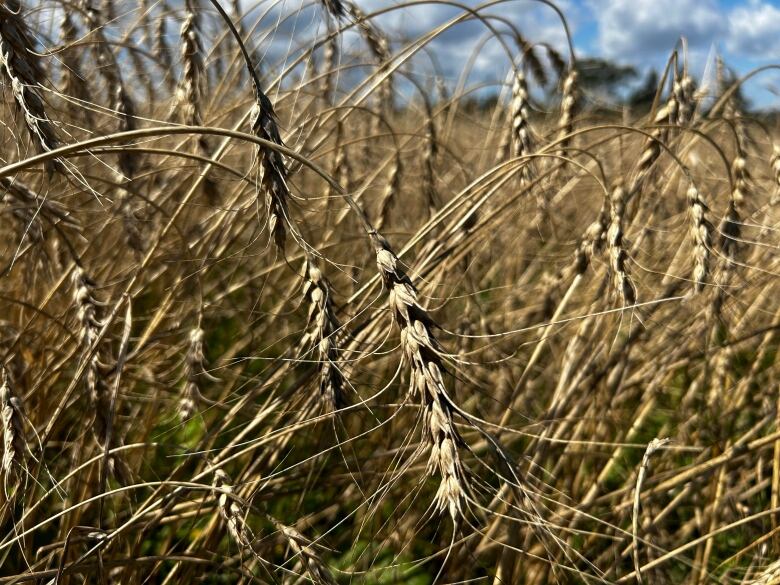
{"x": 308, "y": 316}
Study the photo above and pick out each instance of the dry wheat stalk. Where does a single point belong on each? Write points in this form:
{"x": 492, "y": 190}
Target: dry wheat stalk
{"x": 652, "y": 447}
{"x": 392, "y": 189}
{"x": 329, "y": 74}
{"x": 429, "y": 158}
{"x": 422, "y": 353}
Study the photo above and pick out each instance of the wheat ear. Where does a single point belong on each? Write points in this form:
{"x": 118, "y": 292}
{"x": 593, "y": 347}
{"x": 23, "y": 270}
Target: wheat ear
{"x": 422, "y": 352}
{"x": 14, "y": 443}
{"x": 521, "y": 126}
{"x": 615, "y": 247}
{"x": 569, "y": 102}
{"x": 323, "y": 326}
{"x": 700, "y": 231}
{"x": 193, "y": 368}
{"x": 89, "y": 325}
{"x": 301, "y": 547}
{"x": 334, "y": 8}
{"x": 22, "y": 69}
{"x": 392, "y": 189}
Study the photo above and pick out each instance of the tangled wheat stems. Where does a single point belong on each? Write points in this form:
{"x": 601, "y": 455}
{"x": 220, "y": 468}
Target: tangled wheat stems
{"x": 294, "y": 399}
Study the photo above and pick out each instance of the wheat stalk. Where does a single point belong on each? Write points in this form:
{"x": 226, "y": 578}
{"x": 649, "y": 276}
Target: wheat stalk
{"x": 652, "y": 447}
{"x": 392, "y": 189}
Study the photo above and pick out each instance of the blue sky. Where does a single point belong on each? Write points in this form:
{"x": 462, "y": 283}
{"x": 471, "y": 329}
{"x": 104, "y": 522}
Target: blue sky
{"x": 634, "y": 32}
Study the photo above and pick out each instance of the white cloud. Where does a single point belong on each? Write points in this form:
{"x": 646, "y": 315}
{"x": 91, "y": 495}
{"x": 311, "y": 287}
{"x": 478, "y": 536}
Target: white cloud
{"x": 755, "y": 30}
{"x": 639, "y": 29}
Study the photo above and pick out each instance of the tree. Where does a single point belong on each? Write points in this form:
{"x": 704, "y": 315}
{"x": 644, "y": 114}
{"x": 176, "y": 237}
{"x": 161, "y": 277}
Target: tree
{"x": 604, "y": 77}
{"x": 642, "y": 97}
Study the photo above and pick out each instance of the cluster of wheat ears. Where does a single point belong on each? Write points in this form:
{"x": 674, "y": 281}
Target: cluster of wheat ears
{"x": 312, "y": 315}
